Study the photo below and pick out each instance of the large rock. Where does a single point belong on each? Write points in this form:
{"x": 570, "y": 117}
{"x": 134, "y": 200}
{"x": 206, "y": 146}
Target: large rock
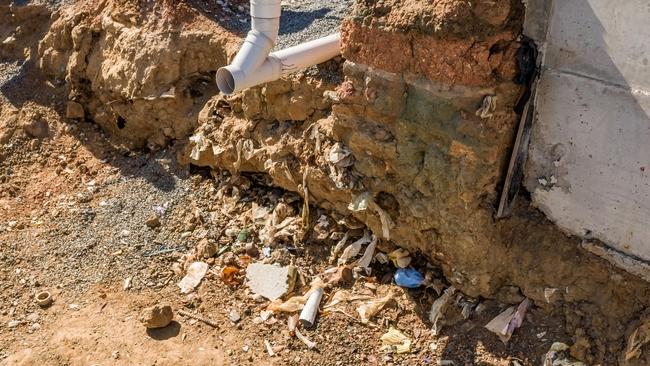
{"x": 157, "y": 316}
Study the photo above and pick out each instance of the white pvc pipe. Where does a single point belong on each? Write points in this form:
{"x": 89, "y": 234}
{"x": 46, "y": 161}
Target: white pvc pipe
{"x": 254, "y": 65}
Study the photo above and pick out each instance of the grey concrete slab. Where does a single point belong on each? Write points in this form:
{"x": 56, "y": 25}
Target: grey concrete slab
{"x": 602, "y": 39}
{"x": 589, "y": 161}
{"x": 589, "y": 155}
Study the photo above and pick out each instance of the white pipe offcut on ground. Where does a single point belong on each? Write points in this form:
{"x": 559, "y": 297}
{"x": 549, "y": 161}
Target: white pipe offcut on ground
{"x": 253, "y": 65}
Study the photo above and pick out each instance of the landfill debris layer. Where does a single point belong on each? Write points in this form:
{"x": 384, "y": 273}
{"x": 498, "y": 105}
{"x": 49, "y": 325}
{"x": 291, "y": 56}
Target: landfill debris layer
{"x": 342, "y": 215}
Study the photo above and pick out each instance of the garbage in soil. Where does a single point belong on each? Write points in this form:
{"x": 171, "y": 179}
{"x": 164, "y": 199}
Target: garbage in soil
{"x": 195, "y": 273}
{"x": 304, "y": 339}
{"x": 269, "y": 280}
{"x": 639, "y": 337}
{"x": 365, "y": 201}
{"x": 437, "y": 309}
{"x": 353, "y": 249}
{"x": 310, "y": 311}
{"x": 296, "y": 303}
{"x": 488, "y": 106}
{"x": 395, "y": 341}
{"x": 368, "y": 309}
{"x": 366, "y": 259}
{"x": 157, "y": 316}
{"x": 43, "y": 299}
{"x": 557, "y": 355}
{"x": 408, "y": 277}
{"x": 401, "y": 258}
{"x": 504, "y": 324}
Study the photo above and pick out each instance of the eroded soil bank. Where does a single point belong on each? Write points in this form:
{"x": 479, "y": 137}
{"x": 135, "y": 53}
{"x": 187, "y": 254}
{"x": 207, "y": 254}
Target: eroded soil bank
{"x": 387, "y": 137}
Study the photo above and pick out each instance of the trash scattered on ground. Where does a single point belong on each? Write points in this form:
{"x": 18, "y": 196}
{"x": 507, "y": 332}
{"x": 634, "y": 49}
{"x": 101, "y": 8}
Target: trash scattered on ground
{"x": 309, "y": 312}
{"x": 368, "y": 254}
{"x": 228, "y": 274}
{"x": 199, "y": 318}
{"x": 557, "y": 355}
{"x": 269, "y": 349}
{"x": 401, "y": 258}
{"x": 408, "y": 277}
{"x": 43, "y": 298}
{"x": 304, "y": 339}
{"x": 296, "y": 303}
{"x": 437, "y": 309}
{"x": 157, "y": 316}
{"x": 395, "y": 341}
{"x": 368, "y": 309}
{"x": 637, "y": 339}
{"x": 269, "y": 280}
{"x": 488, "y": 106}
{"x": 353, "y": 249}
{"x": 504, "y": 324}
{"x": 195, "y": 274}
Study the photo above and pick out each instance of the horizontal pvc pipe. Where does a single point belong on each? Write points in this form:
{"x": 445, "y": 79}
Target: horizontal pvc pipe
{"x": 231, "y": 79}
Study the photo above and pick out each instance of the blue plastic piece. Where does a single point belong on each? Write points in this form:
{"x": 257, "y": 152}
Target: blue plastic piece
{"x": 408, "y": 277}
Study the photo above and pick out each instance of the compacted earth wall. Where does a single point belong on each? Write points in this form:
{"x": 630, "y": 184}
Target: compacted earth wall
{"x": 408, "y": 133}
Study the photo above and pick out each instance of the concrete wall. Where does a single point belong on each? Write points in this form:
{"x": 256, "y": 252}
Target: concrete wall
{"x": 589, "y": 157}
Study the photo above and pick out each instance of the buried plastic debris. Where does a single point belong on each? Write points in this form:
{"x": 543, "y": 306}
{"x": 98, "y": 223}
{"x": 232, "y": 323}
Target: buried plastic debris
{"x": 372, "y": 307}
{"x": 366, "y": 259}
{"x": 401, "y": 257}
{"x": 395, "y": 341}
{"x": 408, "y": 277}
{"x": 556, "y": 356}
{"x": 504, "y": 324}
{"x": 353, "y": 249}
{"x": 637, "y": 340}
{"x": 194, "y": 275}
{"x": 437, "y": 309}
{"x": 304, "y": 339}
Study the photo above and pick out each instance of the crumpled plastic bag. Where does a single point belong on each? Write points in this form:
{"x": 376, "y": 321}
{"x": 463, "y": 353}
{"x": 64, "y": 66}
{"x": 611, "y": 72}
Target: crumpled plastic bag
{"x": 637, "y": 340}
{"x": 369, "y": 309}
{"x": 408, "y": 277}
{"x": 395, "y": 341}
{"x": 438, "y": 308}
{"x": 504, "y": 324}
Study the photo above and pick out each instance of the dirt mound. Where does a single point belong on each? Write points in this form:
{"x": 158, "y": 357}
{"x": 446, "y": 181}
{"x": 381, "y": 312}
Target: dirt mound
{"x": 141, "y": 70}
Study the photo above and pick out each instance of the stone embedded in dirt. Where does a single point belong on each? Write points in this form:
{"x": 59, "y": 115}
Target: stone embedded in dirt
{"x": 153, "y": 221}
{"x": 509, "y": 295}
{"x": 157, "y": 316}
{"x": 269, "y": 280}
{"x": 13, "y": 323}
{"x": 36, "y": 127}
{"x": 206, "y": 248}
{"x": 234, "y": 316}
{"x": 74, "y": 110}
{"x": 252, "y": 250}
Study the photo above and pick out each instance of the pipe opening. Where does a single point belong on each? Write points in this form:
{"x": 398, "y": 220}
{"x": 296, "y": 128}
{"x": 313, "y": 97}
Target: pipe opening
{"x": 225, "y": 81}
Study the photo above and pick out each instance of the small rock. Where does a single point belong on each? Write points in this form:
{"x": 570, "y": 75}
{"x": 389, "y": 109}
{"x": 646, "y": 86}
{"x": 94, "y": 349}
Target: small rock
{"x": 252, "y": 250}
{"x": 153, "y": 221}
{"x": 74, "y": 110}
{"x": 206, "y": 248}
{"x": 36, "y": 127}
{"x": 13, "y": 323}
{"x": 269, "y": 280}
{"x": 157, "y": 316}
{"x": 74, "y": 307}
{"x": 33, "y": 317}
{"x": 234, "y": 316}
{"x": 115, "y": 355}
{"x": 509, "y": 295}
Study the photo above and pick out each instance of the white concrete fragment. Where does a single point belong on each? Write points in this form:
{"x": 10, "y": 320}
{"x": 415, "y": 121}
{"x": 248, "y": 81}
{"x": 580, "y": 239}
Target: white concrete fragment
{"x": 194, "y": 275}
{"x": 269, "y": 280}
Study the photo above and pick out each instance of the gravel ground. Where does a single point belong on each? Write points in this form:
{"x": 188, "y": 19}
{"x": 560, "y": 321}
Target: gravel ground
{"x": 304, "y": 20}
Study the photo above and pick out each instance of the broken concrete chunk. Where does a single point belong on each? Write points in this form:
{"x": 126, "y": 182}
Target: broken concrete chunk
{"x": 269, "y": 280}
{"x": 157, "y": 316}
{"x": 194, "y": 275}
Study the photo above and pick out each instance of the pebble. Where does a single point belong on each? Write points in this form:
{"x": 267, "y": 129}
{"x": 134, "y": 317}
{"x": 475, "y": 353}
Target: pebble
{"x": 234, "y": 316}
{"x": 13, "y": 323}
{"x": 153, "y": 221}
